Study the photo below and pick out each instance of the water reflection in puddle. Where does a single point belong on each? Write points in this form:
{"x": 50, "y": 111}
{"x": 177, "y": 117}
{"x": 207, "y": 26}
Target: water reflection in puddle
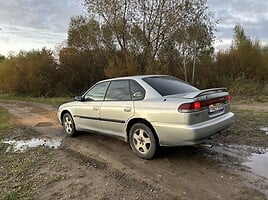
{"x": 256, "y": 158}
{"x": 22, "y": 145}
{"x": 258, "y": 164}
{"x": 265, "y": 129}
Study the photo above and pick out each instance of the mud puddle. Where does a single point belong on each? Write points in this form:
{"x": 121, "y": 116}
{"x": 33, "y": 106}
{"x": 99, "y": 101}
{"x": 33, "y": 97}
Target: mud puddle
{"x": 258, "y": 163}
{"x": 255, "y": 158}
{"x": 264, "y": 129}
{"x": 43, "y": 124}
{"x": 22, "y": 145}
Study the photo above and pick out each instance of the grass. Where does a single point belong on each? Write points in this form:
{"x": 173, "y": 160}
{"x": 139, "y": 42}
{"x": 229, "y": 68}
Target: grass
{"x": 50, "y": 100}
{"x": 250, "y": 99}
{"x": 246, "y": 127}
{"x": 21, "y": 173}
{"x": 4, "y": 122}
{"x": 259, "y": 117}
{"x": 249, "y": 91}
{"x": 20, "y": 176}
{"x": 12, "y": 195}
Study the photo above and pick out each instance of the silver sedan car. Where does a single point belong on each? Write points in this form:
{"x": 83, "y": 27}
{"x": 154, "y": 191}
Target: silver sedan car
{"x": 148, "y": 112}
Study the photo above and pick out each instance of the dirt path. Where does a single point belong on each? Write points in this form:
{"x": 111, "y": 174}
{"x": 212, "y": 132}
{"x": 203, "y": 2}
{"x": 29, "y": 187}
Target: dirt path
{"x": 97, "y": 167}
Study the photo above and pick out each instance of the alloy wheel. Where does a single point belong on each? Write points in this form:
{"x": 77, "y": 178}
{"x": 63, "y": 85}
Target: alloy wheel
{"x": 141, "y": 141}
{"x": 68, "y": 124}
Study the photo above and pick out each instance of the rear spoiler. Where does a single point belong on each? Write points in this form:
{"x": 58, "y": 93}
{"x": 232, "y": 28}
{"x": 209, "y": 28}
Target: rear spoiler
{"x": 203, "y": 92}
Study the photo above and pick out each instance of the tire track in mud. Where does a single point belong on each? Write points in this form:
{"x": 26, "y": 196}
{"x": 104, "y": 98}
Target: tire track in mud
{"x": 130, "y": 183}
{"x": 37, "y": 118}
{"x": 184, "y": 172}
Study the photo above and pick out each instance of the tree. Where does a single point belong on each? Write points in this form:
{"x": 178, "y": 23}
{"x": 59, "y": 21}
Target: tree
{"x": 2, "y": 58}
{"x": 84, "y": 34}
{"x": 249, "y": 58}
{"x": 78, "y": 70}
{"x": 32, "y": 73}
{"x": 143, "y": 28}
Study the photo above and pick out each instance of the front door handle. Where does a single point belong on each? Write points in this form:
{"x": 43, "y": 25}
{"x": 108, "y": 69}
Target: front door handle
{"x": 127, "y": 109}
{"x": 96, "y": 108}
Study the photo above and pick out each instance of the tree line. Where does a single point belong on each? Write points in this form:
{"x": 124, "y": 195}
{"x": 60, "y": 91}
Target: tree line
{"x": 126, "y": 37}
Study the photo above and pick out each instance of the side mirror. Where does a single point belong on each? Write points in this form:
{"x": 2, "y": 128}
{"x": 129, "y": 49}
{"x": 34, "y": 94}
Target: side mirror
{"x": 78, "y": 98}
{"x": 137, "y": 96}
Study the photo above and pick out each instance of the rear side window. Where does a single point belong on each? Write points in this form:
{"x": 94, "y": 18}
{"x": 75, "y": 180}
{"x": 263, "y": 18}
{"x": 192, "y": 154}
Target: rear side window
{"x": 137, "y": 92}
{"x": 118, "y": 91}
{"x": 168, "y": 85}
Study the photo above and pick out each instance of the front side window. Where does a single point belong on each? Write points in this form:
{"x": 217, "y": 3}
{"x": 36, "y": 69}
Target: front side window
{"x": 97, "y": 93}
{"x": 118, "y": 91}
{"x": 168, "y": 85}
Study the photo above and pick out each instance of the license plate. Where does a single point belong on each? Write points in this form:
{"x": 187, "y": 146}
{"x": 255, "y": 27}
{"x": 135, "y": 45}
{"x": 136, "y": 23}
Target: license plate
{"x": 215, "y": 107}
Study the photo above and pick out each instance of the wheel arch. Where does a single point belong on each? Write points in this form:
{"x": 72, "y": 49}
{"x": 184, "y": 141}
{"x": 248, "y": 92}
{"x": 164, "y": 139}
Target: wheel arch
{"x": 143, "y": 121}
{"x": 64, "y": 112}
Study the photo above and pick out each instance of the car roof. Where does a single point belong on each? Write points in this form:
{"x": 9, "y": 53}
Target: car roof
{"x": 137, "y": 77}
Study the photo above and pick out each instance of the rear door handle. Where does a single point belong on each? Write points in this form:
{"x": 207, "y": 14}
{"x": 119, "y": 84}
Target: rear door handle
{"x": 96, "y": 108}
{"x": 127, "y": 109}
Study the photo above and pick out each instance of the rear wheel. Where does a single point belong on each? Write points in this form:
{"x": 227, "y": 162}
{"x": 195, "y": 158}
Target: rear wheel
{"x": 142, "y": 141}
{"x": 68, "y": 124}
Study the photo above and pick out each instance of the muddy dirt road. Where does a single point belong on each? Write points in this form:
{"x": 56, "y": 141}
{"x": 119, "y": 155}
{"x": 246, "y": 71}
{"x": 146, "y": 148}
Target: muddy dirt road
{"x": 91, "y": 166}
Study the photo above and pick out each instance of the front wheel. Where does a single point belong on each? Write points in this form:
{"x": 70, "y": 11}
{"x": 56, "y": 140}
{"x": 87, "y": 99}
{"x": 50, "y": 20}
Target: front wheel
{"x": 68, "y": 124}
{"x": 142, "y": 141}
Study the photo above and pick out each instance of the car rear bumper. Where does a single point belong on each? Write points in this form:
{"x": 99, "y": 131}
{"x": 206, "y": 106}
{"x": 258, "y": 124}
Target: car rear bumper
{"x": 181, "y": 134}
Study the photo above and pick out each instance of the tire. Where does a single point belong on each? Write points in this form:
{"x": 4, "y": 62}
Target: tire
{"x": 68, "y": 124}
{"x": 142, "y": 141}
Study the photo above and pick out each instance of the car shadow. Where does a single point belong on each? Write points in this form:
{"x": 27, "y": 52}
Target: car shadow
{"x": 81, "y": 134}
{"x": 180, "y": 151}
{"x": 171, "y": 153}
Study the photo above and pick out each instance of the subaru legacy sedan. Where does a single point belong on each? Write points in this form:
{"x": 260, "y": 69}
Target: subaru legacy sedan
{"x": 148, "y": 112}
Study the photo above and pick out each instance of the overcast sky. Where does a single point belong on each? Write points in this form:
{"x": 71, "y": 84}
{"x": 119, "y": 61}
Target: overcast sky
{"x": 33, "y": 24}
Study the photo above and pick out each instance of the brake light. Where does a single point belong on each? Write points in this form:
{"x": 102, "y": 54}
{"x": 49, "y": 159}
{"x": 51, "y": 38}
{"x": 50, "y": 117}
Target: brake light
{"x": 197, "y": 105}
{"x": 190, "y": 106}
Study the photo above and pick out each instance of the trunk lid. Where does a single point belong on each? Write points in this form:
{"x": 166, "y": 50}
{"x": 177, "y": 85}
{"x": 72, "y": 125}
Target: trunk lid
{"x": 203, "y": 105}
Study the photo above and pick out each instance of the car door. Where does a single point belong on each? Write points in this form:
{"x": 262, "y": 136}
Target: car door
{"x": 87, "y": 111}
{"x": 116, "y": 108}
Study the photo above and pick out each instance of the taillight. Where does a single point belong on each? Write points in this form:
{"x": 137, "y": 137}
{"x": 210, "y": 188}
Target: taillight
{"x": 188, "y": 107}
{"x": 197, "y": 105}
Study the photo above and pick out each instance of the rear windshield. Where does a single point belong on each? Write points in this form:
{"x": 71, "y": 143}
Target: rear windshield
{"x": 168, "y": 85}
